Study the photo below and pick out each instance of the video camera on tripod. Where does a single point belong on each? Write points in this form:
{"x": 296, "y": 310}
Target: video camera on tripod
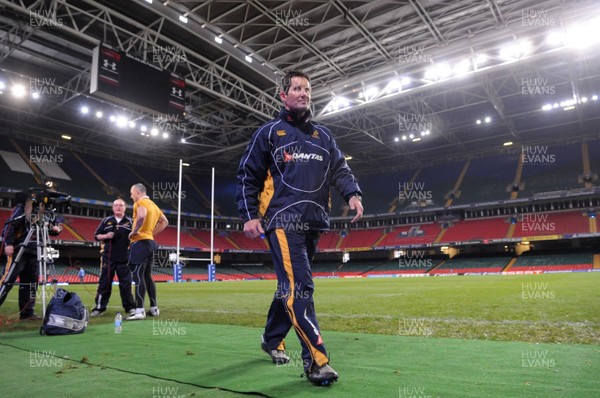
{"x": 38, "y": 209}
{"x": 54, "y": 202}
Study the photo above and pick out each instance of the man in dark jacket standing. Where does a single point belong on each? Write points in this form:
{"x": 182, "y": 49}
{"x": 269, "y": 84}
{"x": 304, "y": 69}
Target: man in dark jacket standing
{"x": 284, "y": 182}
{"x": 114, "y": 232}
{"x": 16, "y": 230}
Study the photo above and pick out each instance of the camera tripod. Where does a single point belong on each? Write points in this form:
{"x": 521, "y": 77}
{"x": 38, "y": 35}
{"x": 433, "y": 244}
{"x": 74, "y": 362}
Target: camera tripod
{"x": 44, "y": 255}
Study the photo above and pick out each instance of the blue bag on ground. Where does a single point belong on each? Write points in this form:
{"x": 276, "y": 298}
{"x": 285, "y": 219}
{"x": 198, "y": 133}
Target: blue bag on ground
{"x": 65, "y": 314}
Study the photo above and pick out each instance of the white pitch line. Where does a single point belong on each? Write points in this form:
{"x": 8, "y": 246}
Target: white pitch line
{"x": 432, "y": 320}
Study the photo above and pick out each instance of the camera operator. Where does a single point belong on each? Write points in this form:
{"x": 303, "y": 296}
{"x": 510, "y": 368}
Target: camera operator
{"x": 14, "y": 234}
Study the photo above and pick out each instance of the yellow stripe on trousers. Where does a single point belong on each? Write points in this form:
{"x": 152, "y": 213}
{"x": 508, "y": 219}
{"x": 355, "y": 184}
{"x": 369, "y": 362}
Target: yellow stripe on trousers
{"x": 317, "y": 355}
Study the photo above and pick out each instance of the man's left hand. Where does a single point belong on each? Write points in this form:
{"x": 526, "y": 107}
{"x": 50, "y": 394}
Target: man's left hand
{"x": 356, "y": 204}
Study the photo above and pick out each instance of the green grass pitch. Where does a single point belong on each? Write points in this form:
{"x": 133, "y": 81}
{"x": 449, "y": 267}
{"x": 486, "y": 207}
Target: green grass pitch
{"x": 562, "y": 308}
{"x": 552, "y": 310}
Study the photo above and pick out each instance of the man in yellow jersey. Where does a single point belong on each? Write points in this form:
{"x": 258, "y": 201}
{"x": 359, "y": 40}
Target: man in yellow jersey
{"x": 148, "y": 221}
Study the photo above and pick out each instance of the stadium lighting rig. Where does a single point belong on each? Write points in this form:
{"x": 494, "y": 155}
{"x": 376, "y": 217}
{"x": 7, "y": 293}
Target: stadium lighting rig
{"x": 570, "y": 103}
{"x": 582, "y": 36}
{"x": 163, "y": 127}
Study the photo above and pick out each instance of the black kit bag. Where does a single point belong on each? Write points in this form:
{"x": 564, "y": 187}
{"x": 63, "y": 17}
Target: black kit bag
{"x": 65, "y": 314}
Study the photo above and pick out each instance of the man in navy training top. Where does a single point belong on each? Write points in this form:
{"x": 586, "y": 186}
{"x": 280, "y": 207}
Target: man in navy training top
{"x": 284, "y": 185}
{"x": 113, "y": 233}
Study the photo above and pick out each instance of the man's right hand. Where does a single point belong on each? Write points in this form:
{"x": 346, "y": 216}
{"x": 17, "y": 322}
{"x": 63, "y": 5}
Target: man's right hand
{"x": 9, "y": 250}
{"x": 253, "y": 228}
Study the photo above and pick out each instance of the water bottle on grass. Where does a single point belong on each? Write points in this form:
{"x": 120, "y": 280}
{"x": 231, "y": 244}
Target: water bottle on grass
{"x": 118, "y": 323}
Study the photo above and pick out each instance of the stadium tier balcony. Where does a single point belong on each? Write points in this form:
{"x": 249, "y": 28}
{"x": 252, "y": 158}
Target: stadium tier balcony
{"x": 328, "y": 241}
{"x": 83, "y": 226}
{"x": 553, "y": 262}
{"x": 246, "y": 243}
{"x": 486, "y": 179}
{"x": 461, "y": 264}
{"x": 557, "y": 223}
{"x": 360, "y": 238}
{"x": 404, "y": 266}
{"x": 476, "y": 230}
{"x": 221, "y": 241}
{"x": 594, "y": 147}
{"x": 436, "y": 181}
{"x": 168, "y": 237}
{"x": 408, "y": 235}
{"x": 548, "y": 168}
{"x": 381, "y": 192}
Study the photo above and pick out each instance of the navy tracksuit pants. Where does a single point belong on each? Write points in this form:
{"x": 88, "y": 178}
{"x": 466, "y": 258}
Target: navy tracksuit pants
{"x": 107, "y": 274}
{"x": 293, "y": 306}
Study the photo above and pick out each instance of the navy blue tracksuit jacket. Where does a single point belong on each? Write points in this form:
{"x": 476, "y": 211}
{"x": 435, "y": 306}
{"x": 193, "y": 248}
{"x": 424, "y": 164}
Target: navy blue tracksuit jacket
{"x": 285, "y": 178}
{"x": 287, "y": 172}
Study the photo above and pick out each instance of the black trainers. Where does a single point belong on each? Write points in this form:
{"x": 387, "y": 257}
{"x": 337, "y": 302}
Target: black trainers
{"x": 96, "y": 313}
{"x": 322, "y": 376}
{"x": 277, "y": 356}
{"x": 32, "y": 317}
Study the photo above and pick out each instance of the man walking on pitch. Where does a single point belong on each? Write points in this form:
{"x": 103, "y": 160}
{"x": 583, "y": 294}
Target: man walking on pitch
{"x": 148, "y": 221}
{"x": 113, "y": 233}
{"x": 284, "y": 182}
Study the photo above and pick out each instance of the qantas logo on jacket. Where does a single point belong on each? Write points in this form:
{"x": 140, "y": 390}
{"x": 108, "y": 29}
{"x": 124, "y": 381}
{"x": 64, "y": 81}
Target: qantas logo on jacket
{"x": 303, "y": 157}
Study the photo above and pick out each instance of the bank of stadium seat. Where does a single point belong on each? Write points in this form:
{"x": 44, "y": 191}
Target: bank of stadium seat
{"x": 397, "y": 236}
{"x": 471, "y": 264}
{"x": 477, "y": 230}
{"x": 553, "y": 262}
{"x": 487, "y": 178}
{"x": 360, "y": 238}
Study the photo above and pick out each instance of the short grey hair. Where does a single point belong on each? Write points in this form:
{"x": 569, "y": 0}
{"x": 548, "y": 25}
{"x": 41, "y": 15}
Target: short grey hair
{"x": 140, "y": 188}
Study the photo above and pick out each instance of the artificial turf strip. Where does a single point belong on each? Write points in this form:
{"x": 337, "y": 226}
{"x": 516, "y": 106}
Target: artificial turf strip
{"x": 202, "y": 360}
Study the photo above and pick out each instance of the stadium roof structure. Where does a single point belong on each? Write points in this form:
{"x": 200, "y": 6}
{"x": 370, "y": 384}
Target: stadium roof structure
{"x": 400, "y": 83}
